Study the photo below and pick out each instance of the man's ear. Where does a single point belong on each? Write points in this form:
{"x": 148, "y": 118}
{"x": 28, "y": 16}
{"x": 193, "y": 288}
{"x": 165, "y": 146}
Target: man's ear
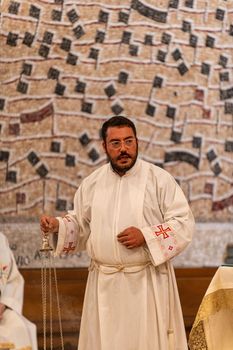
{"x": 104, "y": 146}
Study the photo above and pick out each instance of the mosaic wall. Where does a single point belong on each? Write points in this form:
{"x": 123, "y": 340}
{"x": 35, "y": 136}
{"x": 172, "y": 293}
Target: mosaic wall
{"x": 66, "y": 66}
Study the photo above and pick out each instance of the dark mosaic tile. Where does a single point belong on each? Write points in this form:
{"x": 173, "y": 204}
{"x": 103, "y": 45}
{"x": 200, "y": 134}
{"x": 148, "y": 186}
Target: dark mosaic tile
{"x": 70, "y": 160}
{"x": 182, "y": 68}
{"x": 87, "y": 107}
{"x": 22, "y": 87}
{"x": 42, "y": 170}
{"x": 93, "y": 154}
{"x": 211, "y": 155}
{"x": 78, "y": 31}
{"x": 123, "y": 77}
{"x": 56, "y": 15}
{"x": 55, "y": 146}
{"x": 224, "y": 76}
{"x": 11, "y": 176}
{"x": 158, "y": 82}
{"x": 123, "y": 17}
{"x": 189, "y": 3}
{"x": 193, "y": 40}
{"x": 174, "y": 4}
{"x": 72, "y": 59}
{"x": 110, "y": 90}
{"x": 220, "y": 13}
{"x": 33, "y": 158}
{"x": 176, "y": 136}
{"x": 66, "y": 44}
{"x": 84, "y": 139}
{"x": 217, "y": 169}
{"x": 229, "y": 146}
{"x": 161, "y": 56}
{"x": 186, "y": 26}
{"x": 28, "y": 39}
{"x": 103, "y": 16}
{"x": 150, "y": 110}
{"x": 226, "y": 94}
{"x": 166, "y": 38}
{"x": 48, "y": 37}
{"x": 133, "y": 50}
{"x": 53, "y": 73}
{"x": 73, "y": 16}
{"x": 126, "y": 36}
{"x": 44, "y": 51}
{"x": 210, "y": 41}
{"x": 12, "y": 39}
{"x": 205, "y": 68}
{"x": 14, "y": 7}
{"x": 100, "y": 36}
{"x": 2, "y": 104}
{"x": 94, "y": 53}
{"x": 231, "y": 30}
{"x": 148, "y": 39}
{"x": 171, "y": 112}
{"x": 80, "y": 87}
{"x": 197, "y": 141}
{"x": 27, "y": 69}
{"x": 223, "y": 60}
{"x": 4, "y": 156}
{"x": 60, "y": 89}
{"x": 228, "y": 108}
{"x": 117, "y": 109}
{"x": 34, "y": 11}
{"x": 176, "y": 54}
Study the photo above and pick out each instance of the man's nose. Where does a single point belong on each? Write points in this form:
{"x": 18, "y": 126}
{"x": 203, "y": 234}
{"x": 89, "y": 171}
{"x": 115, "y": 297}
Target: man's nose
{"x": 122, "y": 147}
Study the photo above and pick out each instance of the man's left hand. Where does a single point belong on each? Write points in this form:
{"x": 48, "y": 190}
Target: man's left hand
{"x": 131, "y": 237}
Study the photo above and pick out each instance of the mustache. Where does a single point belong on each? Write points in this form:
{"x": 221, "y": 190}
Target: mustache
{"x": 123, "y": 154}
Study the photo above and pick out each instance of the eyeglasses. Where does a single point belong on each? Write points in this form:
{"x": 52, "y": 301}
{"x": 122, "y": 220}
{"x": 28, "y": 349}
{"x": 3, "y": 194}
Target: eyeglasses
{"x": 116, "y": 144}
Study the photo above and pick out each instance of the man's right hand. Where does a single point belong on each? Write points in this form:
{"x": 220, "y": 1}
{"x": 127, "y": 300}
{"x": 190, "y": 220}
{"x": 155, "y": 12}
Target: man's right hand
{"x": 49, "y": 224}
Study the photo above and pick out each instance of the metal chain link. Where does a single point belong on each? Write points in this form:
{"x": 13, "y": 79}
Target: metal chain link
{"x": 44, "y": 298}
{"x": 47, "y": 296}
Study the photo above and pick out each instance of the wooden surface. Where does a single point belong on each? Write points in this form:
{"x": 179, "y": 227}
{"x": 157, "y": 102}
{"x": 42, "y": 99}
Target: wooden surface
{"x": 192, "y": 285}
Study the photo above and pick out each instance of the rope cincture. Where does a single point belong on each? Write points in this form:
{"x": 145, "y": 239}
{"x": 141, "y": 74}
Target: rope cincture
{"x": 109, "y": 269}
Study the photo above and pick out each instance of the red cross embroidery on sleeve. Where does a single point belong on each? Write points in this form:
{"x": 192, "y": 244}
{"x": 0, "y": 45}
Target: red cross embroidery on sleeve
{"x": 162, "y": 231}
{"x": 69, "y": 248}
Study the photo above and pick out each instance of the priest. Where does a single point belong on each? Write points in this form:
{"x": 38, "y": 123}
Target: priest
{"x": 132, "y": 218}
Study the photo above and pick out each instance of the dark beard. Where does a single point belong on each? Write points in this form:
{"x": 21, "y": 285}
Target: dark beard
{"x": 123, "y": 170}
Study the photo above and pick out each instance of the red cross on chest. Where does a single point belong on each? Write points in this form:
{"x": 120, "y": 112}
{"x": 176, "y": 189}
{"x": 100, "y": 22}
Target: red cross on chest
{"x": 69, "y": 248}
{"x": 162, "y": 231}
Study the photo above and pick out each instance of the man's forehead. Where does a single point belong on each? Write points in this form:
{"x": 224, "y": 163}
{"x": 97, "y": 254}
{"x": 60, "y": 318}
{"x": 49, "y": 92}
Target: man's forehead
{"x": 119, "y": 131}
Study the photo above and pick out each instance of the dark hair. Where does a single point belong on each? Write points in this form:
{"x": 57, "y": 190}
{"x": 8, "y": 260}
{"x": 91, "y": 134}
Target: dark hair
{"x": 116, "y": 121}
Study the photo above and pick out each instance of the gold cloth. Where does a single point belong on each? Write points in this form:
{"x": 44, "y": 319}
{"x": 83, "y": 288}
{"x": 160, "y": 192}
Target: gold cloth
{"x": 213, "y": 325}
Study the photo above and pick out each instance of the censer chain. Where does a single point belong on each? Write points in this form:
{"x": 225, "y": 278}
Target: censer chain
{"x": 46, "y": 282}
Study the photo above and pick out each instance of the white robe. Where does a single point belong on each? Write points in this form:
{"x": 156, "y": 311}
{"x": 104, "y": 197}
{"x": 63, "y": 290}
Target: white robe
{"x": 131, "y": 300}
{"x": 15, "y": 329}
